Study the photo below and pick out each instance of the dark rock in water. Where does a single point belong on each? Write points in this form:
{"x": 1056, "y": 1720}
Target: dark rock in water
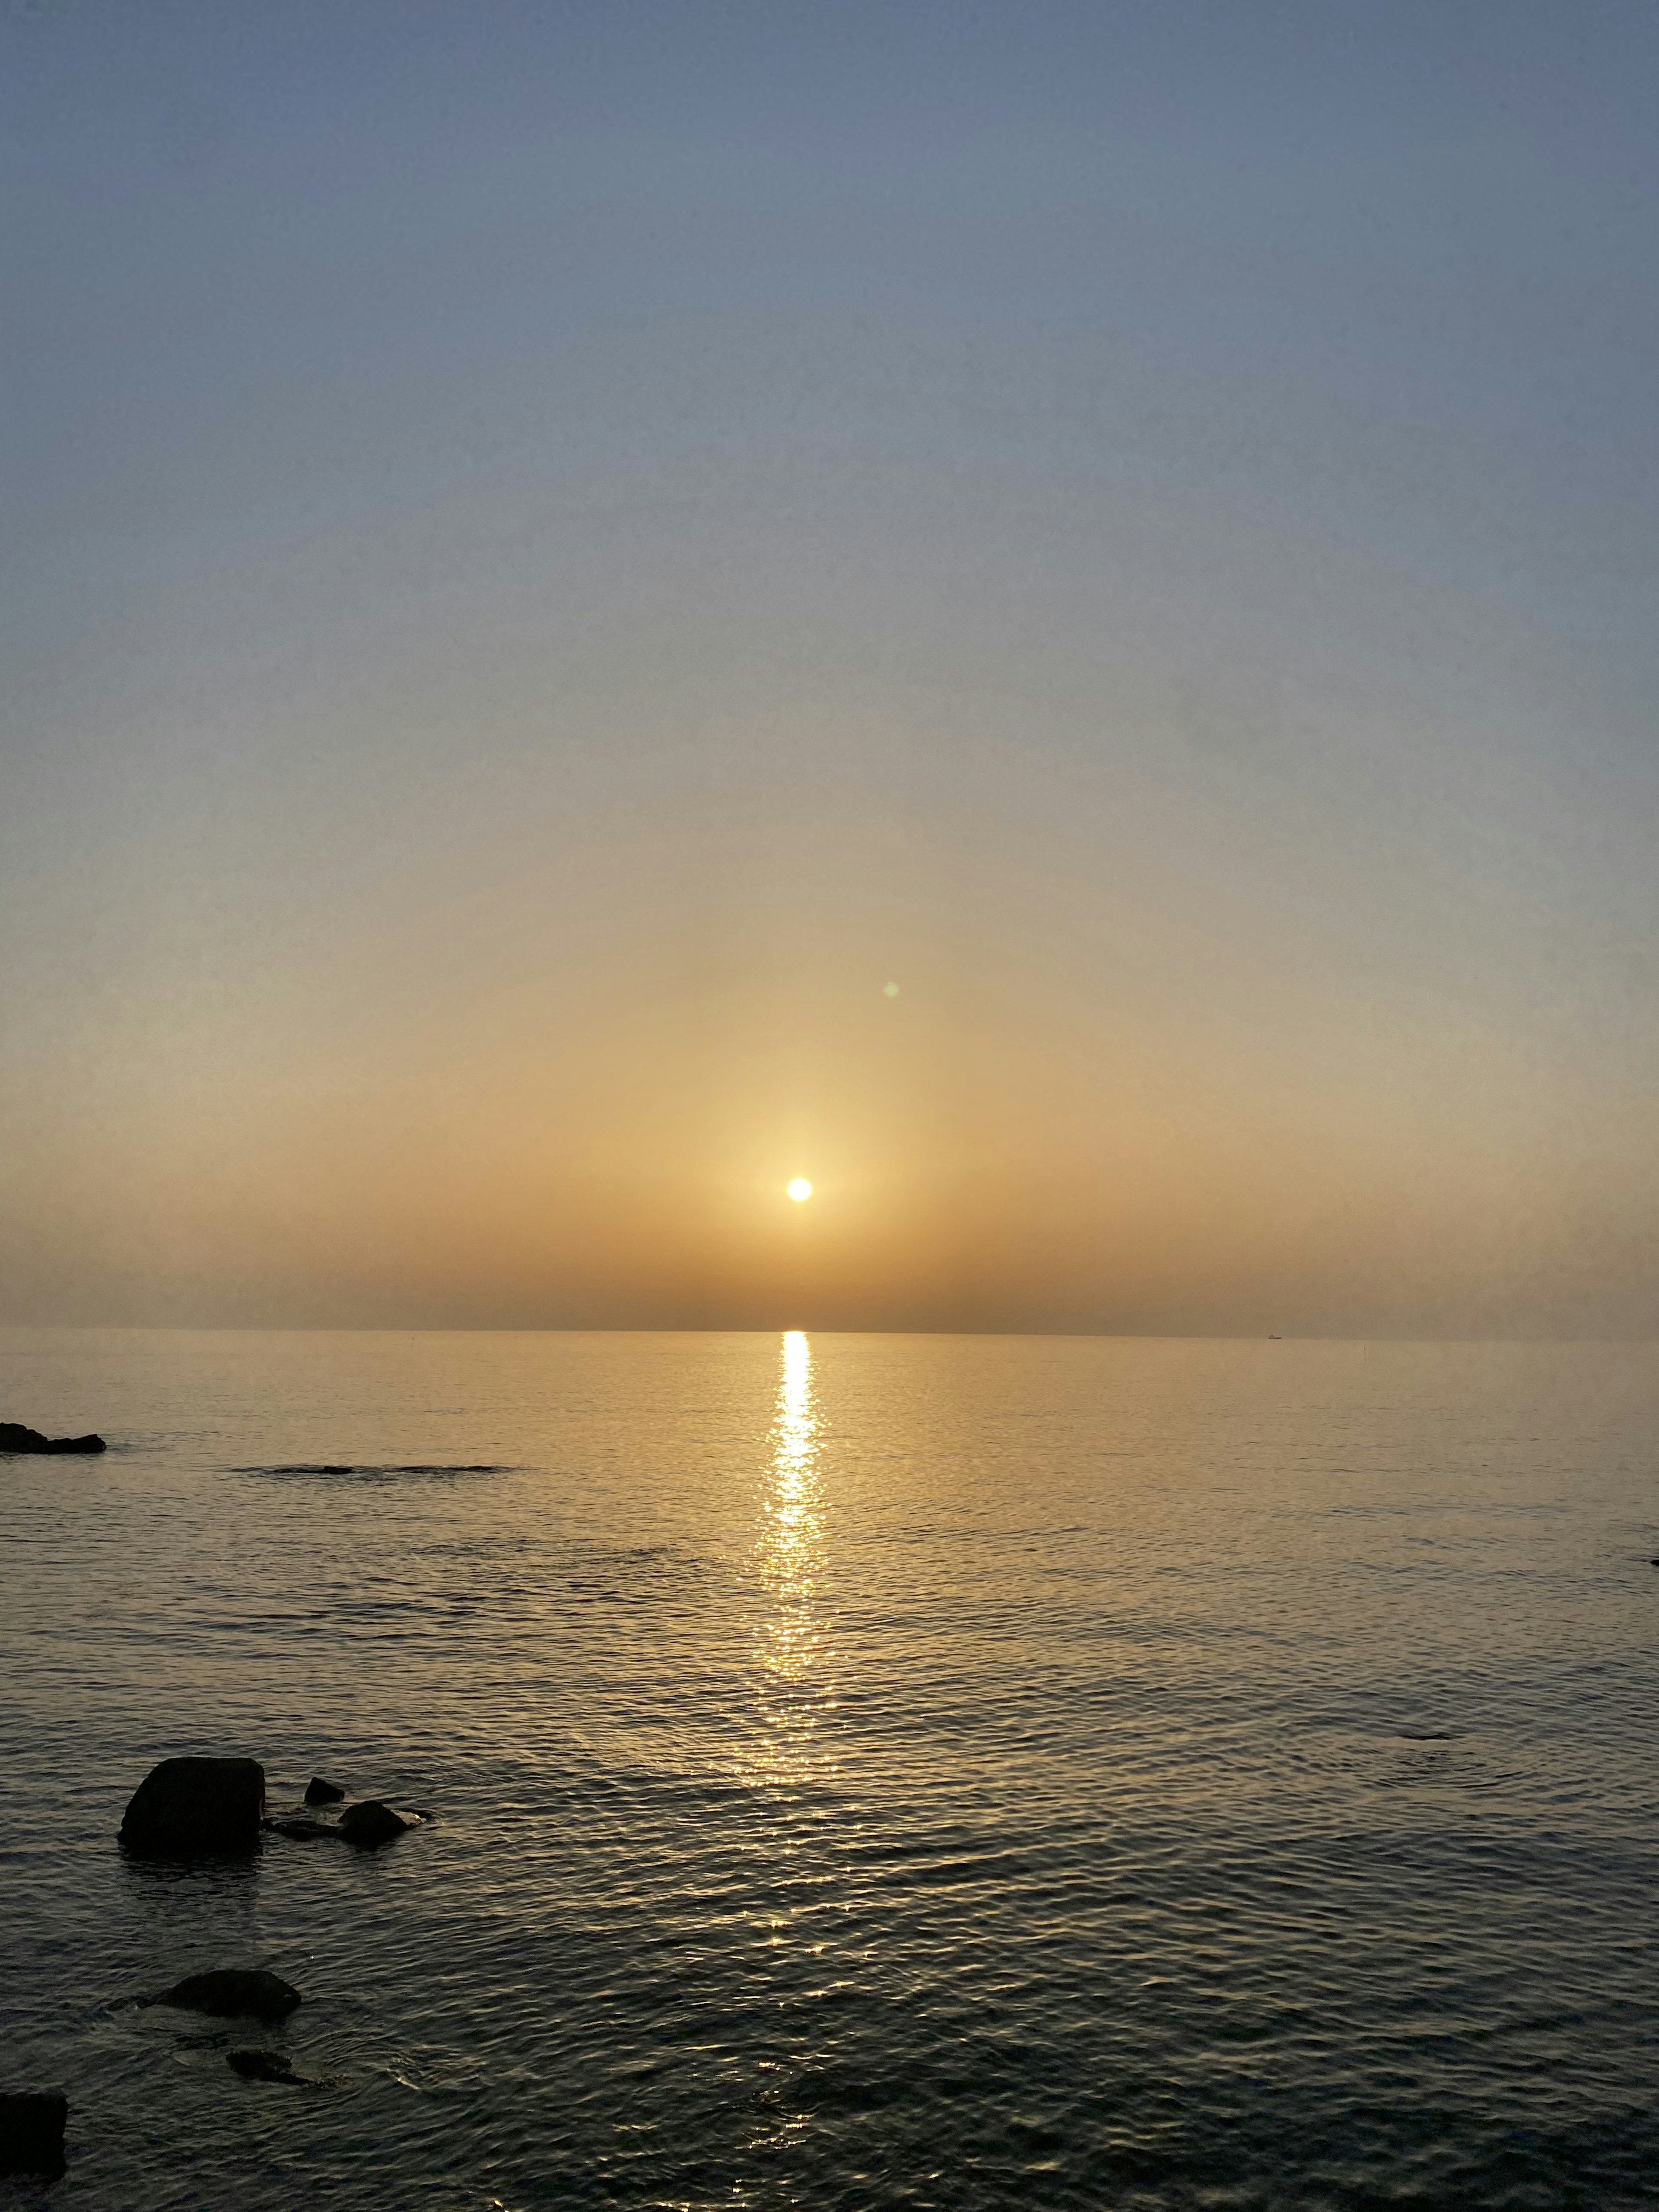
{"x": 302, "y": 1830}
{"x": 230, "y": 1992}
{"x": 31, "y": 2123}
{"x": 372, "y": 1824}
{"x": 14, "y": 1438}
{"x": 319, "y": 1792}
{"x": 264, "y": 2066}
{"x": 186, "y": 1808}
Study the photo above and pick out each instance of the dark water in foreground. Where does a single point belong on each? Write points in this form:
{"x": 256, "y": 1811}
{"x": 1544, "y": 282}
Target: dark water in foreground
{"x": 952, "y": 1772}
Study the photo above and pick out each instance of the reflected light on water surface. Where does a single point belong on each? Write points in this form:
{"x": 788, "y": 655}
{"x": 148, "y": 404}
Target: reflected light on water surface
{"x": 789, "y": 1558}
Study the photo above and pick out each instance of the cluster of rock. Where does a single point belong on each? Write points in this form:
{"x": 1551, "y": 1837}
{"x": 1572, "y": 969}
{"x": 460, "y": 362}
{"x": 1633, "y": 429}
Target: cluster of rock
{"x": 14, "y": 1438}
{"x": 242, "y": 1993}
{"x": 197, "y": 1807}
{"x": 368, "y": 1826}
{"x": 193, "y": 1808}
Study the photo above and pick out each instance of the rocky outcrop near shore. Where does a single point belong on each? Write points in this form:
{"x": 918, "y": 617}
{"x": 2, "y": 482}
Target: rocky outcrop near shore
{"x": 196, "y": 1809}
{"x": 14, "y": 1438}
{"x": 233, "y": 1992}
{"x": 202, "y": 1809}
{"x": 268, "y": 2066}
{"x": 372, "y": 1824}
{"x": 187, "y": 1808}
{"x": 367, "y": 1824}
{"x": 31, "y": 2125}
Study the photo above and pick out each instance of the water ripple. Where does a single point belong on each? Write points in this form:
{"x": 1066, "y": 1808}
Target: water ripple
{"x": 864, "y": 1772}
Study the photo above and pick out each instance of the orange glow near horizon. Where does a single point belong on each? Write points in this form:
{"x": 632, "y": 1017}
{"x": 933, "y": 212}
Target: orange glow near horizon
{"x": 564, "y": 735}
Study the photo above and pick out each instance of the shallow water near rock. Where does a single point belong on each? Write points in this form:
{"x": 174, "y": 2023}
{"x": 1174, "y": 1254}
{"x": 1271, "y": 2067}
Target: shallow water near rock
{"x": 860, "y": 1771}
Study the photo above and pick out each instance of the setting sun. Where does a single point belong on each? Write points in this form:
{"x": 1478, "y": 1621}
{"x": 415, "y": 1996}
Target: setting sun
{"x": 799, "y": 1189}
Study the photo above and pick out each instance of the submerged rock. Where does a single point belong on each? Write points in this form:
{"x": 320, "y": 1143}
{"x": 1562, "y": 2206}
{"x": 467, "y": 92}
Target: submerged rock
{"x": 302, "y": 1830}
{"x": 186, "y": 1808}
{"x": 14, "y": 1438}
{"x": 31, "y": 2123}
{"x": 264, "y": 2066}
{"x": 230, "y": 1992}
{"x": 372, "y": 1824}
{"x": 319, "y": 1792}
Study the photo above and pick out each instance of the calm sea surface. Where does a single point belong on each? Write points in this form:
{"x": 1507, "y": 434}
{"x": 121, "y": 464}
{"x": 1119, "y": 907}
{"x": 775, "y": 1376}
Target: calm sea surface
{"x": 864, "y": 1771}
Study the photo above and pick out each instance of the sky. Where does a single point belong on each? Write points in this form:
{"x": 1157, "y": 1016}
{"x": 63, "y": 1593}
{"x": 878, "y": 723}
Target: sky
{"x": 552, "y": 553}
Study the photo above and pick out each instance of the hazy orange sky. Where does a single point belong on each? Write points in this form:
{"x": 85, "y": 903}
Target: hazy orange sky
{"x": 551, "y": 554}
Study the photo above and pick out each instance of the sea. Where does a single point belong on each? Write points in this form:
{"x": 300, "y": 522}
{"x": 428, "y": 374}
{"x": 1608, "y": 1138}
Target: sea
{"x": 858, "y": 1771}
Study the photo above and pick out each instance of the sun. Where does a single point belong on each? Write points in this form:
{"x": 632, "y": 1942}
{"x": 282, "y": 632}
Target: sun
{"x": 800, "y": 1190}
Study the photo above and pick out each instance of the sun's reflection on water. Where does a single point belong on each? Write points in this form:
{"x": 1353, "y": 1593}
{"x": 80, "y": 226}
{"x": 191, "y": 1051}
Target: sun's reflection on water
{"x": 789, "y": 1560}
